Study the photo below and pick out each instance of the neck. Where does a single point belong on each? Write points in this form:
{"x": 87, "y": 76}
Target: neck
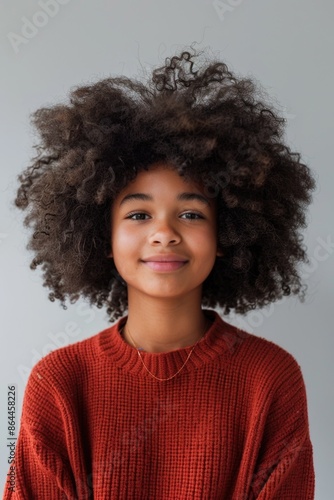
{"x": 161, "y": 326}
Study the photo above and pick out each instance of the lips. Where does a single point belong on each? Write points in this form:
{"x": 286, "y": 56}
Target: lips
{"x": 165, "y": 266}
{"x": 171, "y": 257}
{"x": 167, "y": 262}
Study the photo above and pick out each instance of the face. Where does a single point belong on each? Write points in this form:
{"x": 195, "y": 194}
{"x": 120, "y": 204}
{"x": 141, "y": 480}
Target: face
{"x": 161, "y": 216}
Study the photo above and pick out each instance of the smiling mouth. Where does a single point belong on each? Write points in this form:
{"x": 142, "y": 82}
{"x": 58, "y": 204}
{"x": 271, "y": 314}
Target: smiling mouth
{"x": 165, "y": 266}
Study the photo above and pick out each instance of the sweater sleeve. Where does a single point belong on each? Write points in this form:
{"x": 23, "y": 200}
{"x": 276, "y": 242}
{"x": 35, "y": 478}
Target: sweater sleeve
{"x": 285, "y": 465}
{"x": 42, "y": 465}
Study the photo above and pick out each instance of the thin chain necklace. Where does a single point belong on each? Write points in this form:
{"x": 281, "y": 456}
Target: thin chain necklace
{"x": 169, "y": 378}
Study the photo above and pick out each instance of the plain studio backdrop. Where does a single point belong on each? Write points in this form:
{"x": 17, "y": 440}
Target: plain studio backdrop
{"x": 49, "y": 46}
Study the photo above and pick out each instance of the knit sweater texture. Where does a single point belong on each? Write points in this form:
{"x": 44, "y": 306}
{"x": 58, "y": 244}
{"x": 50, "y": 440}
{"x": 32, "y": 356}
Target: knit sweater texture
{"x": 233, "y": 424}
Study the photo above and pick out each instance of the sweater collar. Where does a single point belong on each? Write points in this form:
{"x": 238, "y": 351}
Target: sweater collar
{"x": 220, "y": 338}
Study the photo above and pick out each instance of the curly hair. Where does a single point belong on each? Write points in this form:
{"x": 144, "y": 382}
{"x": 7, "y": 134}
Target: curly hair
{"x": 213, "y": 128}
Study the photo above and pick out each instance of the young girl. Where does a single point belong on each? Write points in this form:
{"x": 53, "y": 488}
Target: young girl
{"x": 163, "y": 201}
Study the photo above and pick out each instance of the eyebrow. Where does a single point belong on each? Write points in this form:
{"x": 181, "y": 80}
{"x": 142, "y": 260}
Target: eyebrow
{"x": 181, "y": 197}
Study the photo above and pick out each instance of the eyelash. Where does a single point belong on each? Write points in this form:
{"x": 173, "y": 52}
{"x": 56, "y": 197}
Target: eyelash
{"x": 142, "y": 213}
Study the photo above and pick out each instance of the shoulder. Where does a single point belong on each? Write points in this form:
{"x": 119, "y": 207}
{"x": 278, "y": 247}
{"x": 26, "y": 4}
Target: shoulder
{"x": 68, "y": 363}
{"x": 269, "y": 352}
{"x": 58, "y": 380}
{"x": 263, "y": 361}
{"x": 258, "y": 350}
{"x": 268, "y": 378}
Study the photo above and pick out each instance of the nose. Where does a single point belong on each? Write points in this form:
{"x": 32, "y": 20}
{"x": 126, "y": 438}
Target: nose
{"x": 164, "y": 233}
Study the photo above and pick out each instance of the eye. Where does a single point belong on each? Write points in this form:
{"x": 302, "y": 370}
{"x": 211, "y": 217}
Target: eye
{"x": 195, "y": 214}
{"x": 132, "y": 215}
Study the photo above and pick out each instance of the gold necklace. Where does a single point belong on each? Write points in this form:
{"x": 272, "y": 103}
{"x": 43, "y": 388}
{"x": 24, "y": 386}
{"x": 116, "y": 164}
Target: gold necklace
{"x": 169, "y": 378}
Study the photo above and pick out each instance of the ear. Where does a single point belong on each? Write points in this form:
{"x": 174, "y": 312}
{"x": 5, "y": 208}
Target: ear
{"x": 109, "y": 255}
{"x": 220, "y": 253}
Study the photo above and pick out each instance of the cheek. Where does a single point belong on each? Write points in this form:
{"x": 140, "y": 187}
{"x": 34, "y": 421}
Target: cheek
{"x": 124, "y": 239}
{"x": 205, "y": 240}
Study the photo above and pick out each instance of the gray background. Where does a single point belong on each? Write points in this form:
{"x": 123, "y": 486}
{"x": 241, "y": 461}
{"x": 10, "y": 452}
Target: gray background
{"x": 286, "y": 46}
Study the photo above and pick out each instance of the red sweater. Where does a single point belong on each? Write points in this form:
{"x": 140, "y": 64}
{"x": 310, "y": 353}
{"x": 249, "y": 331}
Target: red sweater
{"x": 232, "y": 424}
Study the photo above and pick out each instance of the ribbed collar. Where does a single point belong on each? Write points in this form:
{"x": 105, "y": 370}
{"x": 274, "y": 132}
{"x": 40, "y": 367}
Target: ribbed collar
{"x": 220, "y": 338}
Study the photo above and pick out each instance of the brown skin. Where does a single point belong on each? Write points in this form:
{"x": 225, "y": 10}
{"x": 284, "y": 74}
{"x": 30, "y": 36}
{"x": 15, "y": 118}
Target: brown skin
{"x": 164, "y": 308}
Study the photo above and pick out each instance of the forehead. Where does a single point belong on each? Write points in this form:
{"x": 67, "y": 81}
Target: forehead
{"x": 161, "y": 177}
{"x": 162, "y": 181}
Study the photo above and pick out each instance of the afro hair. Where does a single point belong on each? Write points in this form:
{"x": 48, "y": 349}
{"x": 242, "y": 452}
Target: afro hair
{"x": 213, "y": 128}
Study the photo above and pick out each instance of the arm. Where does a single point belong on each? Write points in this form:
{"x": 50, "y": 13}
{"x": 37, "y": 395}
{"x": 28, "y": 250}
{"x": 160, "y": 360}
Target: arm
{"x": 285, "y": 466}
{"x": 40, "y": 473}
{"x": 42, "y": 464}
